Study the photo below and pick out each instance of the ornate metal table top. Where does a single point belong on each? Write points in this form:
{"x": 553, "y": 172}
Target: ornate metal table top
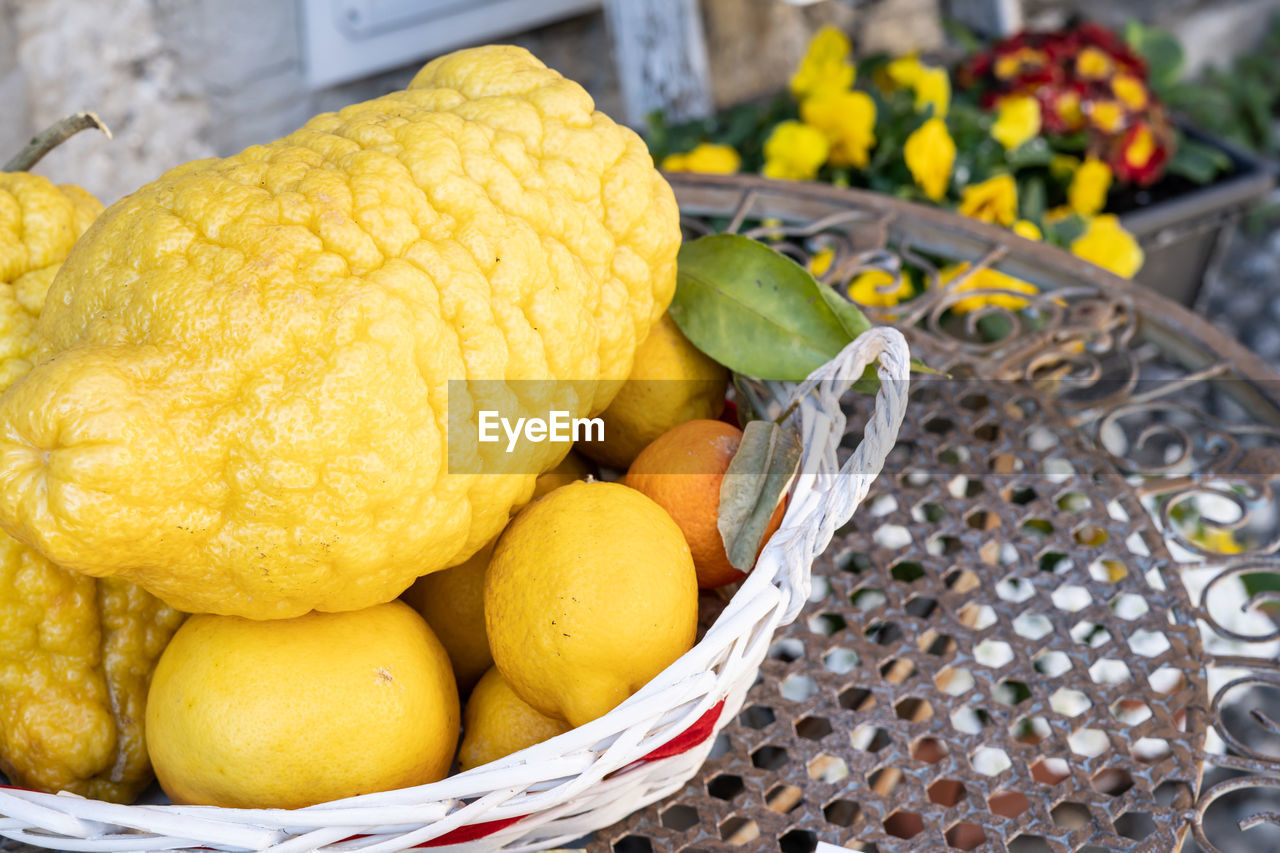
{"x": 1047, "y": 628}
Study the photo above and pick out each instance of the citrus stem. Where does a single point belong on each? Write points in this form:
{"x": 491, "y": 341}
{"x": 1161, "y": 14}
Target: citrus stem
{"x": 53, "y": 136}
{"x": 782, "y": 418}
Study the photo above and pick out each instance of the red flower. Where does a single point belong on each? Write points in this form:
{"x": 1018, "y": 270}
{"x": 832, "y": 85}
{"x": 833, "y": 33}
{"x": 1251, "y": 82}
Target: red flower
{"x": 1062, "y": 108}
{"x": 1099, "y": 36}
{"x": 1032, "y": 79}
{"x": 1141, "y": 155}
{"x": 1088, "y": 81}
{"x": 1105, "y": 40}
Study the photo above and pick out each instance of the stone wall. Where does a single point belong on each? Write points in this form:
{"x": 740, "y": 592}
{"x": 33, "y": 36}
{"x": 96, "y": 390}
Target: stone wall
{"x": 753, "y": 45}
{"x": 64, "y": 56}
{"x": 182, "y": 79}
{"x": 177, "y": 80}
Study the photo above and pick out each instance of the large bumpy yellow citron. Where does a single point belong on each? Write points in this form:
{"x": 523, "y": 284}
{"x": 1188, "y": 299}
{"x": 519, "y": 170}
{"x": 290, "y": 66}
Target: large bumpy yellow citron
{"x": 39, "y": 222}
{"x": 591, "y": 592}
{"x": 671, "y": 382}
{"x": 242, "y": 398}
{"x": 75, "y": 652}
{"x": 291, "y": 712}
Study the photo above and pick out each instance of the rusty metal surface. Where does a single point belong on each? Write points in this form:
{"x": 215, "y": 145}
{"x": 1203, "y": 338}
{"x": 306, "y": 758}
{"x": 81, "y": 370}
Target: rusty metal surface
{"x": 1033, "y": 636}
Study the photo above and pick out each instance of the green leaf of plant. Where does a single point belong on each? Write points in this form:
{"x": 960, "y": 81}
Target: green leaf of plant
{"x": 1160, "y": 50}
{"x": 962, "y": 35}
{"x": 851, "y": 318}
{"x": 745, "y": 400}
{"x": 1197, "y": 162}
{"x": 759, "y": 474}
{"x": 1033, "y": 152}
{"x": 1032, "y": 203}
{"x": 1064, "y": 232}
{"x": 1260, "y": 583}
{"x": 918, "y": 366}
{"x": 757, "y": 311}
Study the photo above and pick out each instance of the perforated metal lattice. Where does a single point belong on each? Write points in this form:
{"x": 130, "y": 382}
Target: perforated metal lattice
{"x": 989, "y": 656}
{"x": 1003, "y": 649}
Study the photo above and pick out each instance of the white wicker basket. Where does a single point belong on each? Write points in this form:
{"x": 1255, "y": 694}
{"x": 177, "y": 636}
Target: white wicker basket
{"x": 594, "y": 775}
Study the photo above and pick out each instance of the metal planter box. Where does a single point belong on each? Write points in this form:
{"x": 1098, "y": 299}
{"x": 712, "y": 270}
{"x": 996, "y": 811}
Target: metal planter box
{"x": 1181, "y": 235}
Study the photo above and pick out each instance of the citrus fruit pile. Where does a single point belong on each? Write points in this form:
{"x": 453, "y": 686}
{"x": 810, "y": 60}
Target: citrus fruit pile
{"x": 235, "y": 408}
{"x": 588, "y": 592}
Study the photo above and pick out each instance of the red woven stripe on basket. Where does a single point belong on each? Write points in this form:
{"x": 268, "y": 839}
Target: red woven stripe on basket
{"x": 470, "y": 832}
{"x": 690, "y": 737}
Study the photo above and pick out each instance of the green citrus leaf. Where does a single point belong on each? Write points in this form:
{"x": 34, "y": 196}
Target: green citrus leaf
{"x": 759, "y": 474}
{"x": 758, "y": 312}
{"x": 851, "y": 318}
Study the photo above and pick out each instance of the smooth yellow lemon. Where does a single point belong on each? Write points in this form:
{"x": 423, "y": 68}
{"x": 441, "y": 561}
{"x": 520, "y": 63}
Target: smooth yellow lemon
{"x": 671, "y": 382}
{"x": 590, "y": 593}
{"x": 292, "y": 712}
{"x": 497, "y": 722}
{"x": 571, "y": 469}
{"x": 452, "y": 602}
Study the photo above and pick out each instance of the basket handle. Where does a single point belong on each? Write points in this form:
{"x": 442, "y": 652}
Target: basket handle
{"x": 827, "y": 505}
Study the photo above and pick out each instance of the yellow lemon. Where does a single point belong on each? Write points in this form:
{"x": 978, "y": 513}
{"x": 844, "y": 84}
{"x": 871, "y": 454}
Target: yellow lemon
{"x": 497, "y": 722}
{"x": 292, "y": 712}
{"x": 452, "y": 602}
{"x": 671, "y": 382}
{"x": 590, "y": 593}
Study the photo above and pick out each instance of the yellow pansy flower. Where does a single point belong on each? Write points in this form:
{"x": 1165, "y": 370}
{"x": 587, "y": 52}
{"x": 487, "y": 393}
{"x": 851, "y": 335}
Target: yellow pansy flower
{"x": 795, "y": 151}
{"x": 933, "y": 88}
{"x": 902, "y": 72}
{"x": 1068, "y": 108}
{"x": 1130, "y": 90}
{"x": 985, "y": 279}
{"x": 876, "y": 289}
{"x": 1087, "y": 193}
{"x": 1108, "y": 245}
{"x": 930, "y": 153}
{"x": 1028, "y": 229}
{"x": 708, "y": 157}
{"x": 993, "y": 200}
{"x": 1017, "y": 122}
{"x": 821, "y": 261}
{"x": 1140, "y": 149}
{"x": 848, "y": 119}
{"x": 1059, "y": 214}
{"x": 1011, "y": 64}
{"x": 825, "y": 67}
{"x": 1093, "y": 64}
{"x": 1108, "y": 116}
